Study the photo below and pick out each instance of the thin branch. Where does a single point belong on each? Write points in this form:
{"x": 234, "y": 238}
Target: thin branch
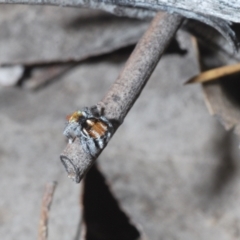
{"x": 46, "y": 204}
{"x": 127, "y": 88}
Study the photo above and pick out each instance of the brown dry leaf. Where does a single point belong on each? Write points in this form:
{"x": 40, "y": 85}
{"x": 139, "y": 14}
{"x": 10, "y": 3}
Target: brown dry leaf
{"x": 215, "y": 74}
{"x": 222, "y": 100}
{"x": 221, "y": 97}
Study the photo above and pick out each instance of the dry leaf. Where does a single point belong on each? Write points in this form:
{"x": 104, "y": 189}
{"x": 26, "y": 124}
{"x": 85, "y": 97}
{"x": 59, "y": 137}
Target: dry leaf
{"x": 62, "y": 34}
{"x": 215, "y": 74}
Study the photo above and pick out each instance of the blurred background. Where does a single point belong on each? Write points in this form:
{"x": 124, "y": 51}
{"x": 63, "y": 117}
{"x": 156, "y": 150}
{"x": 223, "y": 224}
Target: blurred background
{"x": 171, "y": 169}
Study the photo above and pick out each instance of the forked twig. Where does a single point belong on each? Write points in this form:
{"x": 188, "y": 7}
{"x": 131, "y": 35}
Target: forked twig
{"x": 46, "y": 204}
{"x": 127, "y": 88}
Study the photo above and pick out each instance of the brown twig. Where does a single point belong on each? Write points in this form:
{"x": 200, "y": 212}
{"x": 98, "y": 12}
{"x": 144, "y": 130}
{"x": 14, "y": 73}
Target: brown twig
{"x": 46, "y": 204}
{"x": 128, "y": 86}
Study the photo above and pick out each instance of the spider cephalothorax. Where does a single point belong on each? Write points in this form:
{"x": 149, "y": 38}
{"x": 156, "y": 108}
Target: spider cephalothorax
{"x": 93, "y": 129}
